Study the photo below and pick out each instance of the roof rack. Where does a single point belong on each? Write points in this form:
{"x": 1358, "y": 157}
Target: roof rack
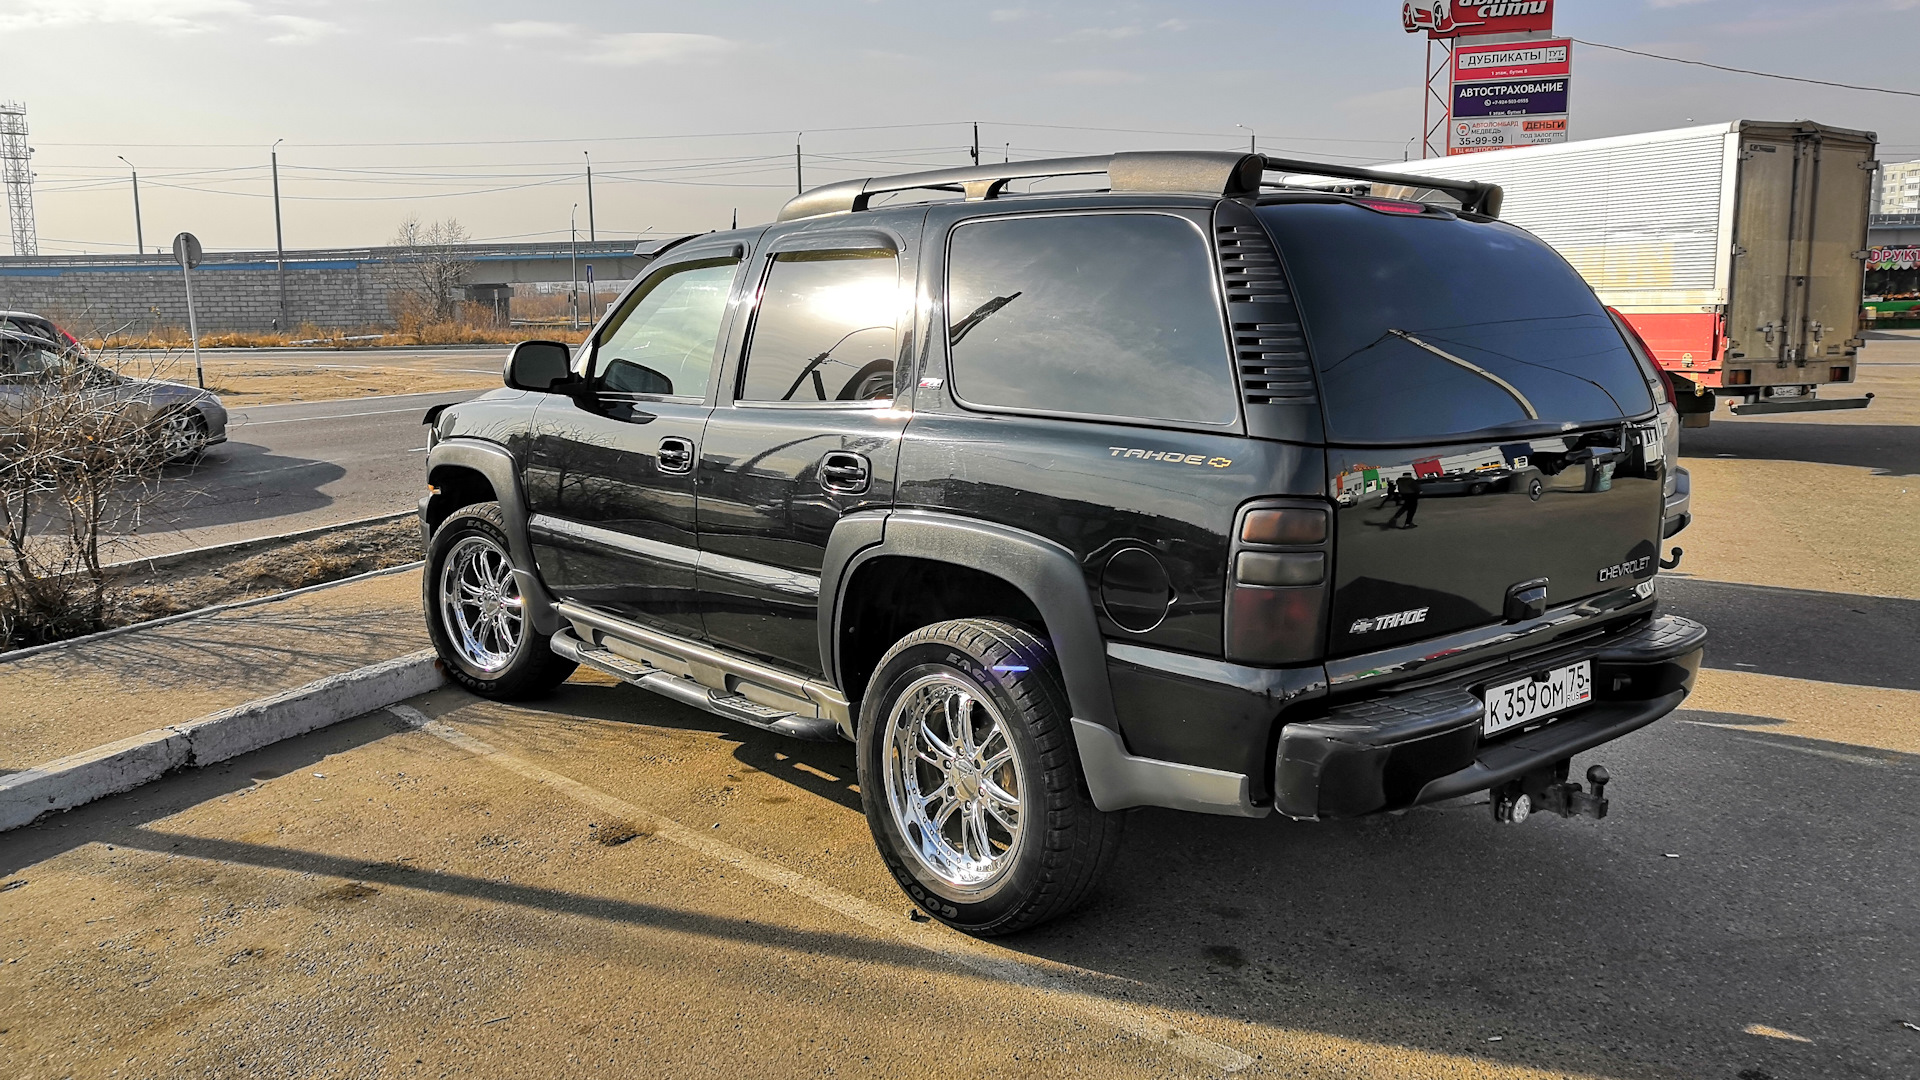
{"x": 1202, "y": 171}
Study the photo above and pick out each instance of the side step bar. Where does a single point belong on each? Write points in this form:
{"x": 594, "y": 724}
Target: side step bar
{"x": 688, "y": 692}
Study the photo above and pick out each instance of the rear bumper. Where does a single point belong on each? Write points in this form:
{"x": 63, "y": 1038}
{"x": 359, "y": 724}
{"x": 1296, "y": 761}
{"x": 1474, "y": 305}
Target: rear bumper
{"x": 1400, "y": 750}
{"x": 1805, "y": 404}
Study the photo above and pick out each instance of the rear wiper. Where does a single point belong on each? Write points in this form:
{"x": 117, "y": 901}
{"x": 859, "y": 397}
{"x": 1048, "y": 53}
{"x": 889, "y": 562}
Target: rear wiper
{"x": 1532, "y": 413}
{"x": 978, "y": 316}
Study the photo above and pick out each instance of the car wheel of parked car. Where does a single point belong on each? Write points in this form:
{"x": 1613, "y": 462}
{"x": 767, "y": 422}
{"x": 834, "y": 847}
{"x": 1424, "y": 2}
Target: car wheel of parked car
{"x": 475, "y": 614}
{"x": 970, "y": 780}
{"x": 182, "y": 435}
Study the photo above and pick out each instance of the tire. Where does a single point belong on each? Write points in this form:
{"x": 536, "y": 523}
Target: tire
{"x": 474, "y": 612}
{"x": 1040, "y": 845}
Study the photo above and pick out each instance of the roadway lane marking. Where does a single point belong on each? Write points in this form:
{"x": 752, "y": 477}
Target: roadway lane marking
{"x": 977, "y": 956}
{"x": 1830, "y": 755}
{"x": 1874, "y": 717}
{"x": 329, "y": 416}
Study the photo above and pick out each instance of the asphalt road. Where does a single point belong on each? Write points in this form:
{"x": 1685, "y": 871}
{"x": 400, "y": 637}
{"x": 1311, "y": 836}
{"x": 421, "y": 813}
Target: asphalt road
{"x": 443, "y": 895}
{"x": 291, "y": 467}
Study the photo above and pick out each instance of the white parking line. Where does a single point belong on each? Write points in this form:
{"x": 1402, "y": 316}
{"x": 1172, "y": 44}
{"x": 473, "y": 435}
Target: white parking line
{"x": 977, "y": 956}
{"x": 331, "y": 416}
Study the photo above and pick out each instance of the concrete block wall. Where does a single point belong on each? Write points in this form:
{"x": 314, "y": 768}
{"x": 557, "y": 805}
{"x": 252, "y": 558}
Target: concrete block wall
{"x": 227, "y": 296}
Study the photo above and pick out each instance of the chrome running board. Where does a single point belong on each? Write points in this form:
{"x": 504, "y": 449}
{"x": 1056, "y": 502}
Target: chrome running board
{"x": 706, "y": 679}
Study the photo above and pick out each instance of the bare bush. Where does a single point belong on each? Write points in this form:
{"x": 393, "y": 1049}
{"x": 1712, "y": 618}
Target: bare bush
{"x": 79, "y": 454}
{"x": 429, "y": 275}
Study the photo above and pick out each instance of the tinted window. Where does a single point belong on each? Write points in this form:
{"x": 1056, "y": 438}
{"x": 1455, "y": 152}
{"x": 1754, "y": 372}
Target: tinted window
{"x": 1383, "y": 297}
{"x": 825, "y": 328}
{"x": 1096, "y": 314}
{"x": 663, "y": 341}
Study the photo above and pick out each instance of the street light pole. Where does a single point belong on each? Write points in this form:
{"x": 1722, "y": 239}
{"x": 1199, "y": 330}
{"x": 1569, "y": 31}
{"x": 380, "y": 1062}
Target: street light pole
{"x": 1253, "y": 141}
{"x": 591, "y": 234}
{"x": 573, "y": 258}
{"x": 279, "y": 241}
{"x": 799, "y": 185}
{"x": 139, "y": 238}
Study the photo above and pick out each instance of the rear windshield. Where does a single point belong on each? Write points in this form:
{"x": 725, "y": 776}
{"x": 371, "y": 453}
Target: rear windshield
{"x": 1431, "y": 327}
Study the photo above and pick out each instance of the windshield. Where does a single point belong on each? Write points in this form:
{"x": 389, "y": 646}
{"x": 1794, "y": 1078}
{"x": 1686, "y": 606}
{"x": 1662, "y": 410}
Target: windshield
{"x": 1432, "y": 327}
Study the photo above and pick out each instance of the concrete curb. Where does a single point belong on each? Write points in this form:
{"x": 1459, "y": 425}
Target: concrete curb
{"x": 120, "y": 766}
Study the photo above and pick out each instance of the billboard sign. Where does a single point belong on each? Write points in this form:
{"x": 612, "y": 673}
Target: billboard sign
{"x": 1513, "y": 97}
{"x": 1504, "y": 132}
{"x": 1515, "y": 60}
{"x": 1455, "y": 18}
{"x": 1893, "y": 258}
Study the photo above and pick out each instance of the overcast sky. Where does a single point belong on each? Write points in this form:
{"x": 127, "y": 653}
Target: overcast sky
{"x": 482, "y": 111}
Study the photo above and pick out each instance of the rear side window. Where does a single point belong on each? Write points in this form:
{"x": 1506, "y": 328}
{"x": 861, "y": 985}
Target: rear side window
{"x": 1432, "y": 327}
{"x": 1111, "y": 315}
{"x": 664, "y": 340}
{"x": 825, "y": 331}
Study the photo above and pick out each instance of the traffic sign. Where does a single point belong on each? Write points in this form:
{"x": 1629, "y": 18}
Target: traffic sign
{"x": 186, "y": 250}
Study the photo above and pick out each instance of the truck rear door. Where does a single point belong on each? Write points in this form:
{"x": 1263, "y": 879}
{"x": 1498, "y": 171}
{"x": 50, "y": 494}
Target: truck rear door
{"x": 1802, "y": 213}
{"x": 1843, "y": 184}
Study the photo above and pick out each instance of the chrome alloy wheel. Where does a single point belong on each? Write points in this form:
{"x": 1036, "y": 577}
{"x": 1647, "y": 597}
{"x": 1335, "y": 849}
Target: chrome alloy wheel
{"x": 480, "y": 604}
{"x": 179, "y": 435}
{"x": 954, "y": 785}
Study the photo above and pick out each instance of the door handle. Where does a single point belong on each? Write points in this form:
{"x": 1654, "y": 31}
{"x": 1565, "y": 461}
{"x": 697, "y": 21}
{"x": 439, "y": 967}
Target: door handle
{"x": 843, "y": 472}
{"x": 676, "y": 455}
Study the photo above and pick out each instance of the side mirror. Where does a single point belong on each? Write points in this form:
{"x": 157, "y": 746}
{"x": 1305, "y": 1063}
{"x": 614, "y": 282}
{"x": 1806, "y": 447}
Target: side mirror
{"x": 538, "y": 365}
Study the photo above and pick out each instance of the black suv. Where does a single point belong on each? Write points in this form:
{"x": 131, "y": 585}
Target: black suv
{"x": 1237, "y": 485}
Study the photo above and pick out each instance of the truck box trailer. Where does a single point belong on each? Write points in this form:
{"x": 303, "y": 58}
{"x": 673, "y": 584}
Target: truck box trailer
{"x": 1736, "y": 250}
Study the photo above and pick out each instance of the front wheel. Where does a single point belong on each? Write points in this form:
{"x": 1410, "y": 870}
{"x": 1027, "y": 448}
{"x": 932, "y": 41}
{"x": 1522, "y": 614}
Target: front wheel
{"x": 181, "y": 436}
{"x": 475, "y": 614}
{"x": 970, "y": 781}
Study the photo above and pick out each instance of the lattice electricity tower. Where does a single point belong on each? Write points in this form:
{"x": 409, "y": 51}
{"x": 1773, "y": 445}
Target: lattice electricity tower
{"x": 16, "y": 171}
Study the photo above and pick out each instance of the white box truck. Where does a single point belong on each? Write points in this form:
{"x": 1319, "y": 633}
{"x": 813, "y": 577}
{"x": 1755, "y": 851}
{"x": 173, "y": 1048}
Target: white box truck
{"x": 1736, "y": 250}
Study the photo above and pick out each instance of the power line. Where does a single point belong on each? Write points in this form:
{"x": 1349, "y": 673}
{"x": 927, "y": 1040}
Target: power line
{"x": 1748, "y": 71}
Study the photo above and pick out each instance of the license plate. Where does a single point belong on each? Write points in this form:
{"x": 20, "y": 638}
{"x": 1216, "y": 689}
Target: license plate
{"x": 1522, "y": 701}
{"x": 1789, "y": 391}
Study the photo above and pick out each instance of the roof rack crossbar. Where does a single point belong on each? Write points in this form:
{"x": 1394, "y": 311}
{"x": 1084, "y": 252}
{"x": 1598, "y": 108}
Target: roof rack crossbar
{"x": 1203, "y": 171}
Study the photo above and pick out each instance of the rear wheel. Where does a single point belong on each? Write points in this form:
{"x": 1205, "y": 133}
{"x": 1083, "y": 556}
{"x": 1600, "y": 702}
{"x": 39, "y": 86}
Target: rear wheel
{"x": 475, "y": 613}
{"x": 970, "y": 782}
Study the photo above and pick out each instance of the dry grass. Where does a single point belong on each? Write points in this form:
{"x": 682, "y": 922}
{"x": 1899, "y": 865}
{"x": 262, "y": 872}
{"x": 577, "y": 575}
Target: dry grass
{"x": 316, "y": 561}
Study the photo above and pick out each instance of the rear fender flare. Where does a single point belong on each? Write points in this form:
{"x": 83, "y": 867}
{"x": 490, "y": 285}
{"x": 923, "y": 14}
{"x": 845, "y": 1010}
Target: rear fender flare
{"x": 494, "y": 462}
{"x": 1045, "y": 572}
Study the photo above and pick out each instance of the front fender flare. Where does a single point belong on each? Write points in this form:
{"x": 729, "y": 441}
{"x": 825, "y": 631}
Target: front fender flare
{"x": 494, "y": 462}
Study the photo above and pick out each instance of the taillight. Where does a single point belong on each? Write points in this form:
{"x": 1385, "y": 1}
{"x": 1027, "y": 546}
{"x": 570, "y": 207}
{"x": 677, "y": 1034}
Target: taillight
{"x": 1646, "y": 355}
{"x": 1393, "y": 206}
{"x": 1277, "y": 582}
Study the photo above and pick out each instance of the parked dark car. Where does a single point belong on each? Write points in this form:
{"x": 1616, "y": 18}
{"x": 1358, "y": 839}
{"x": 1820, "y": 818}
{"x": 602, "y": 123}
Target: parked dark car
{"x": 1062, "y": 504}
{"x": 27, "y": 322}
{"x": 185, "y": 419}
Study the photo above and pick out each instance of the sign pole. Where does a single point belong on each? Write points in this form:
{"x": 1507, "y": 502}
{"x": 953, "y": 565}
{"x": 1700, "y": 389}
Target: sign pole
{"x": 193, "y": 328}
{"x": 186, "y": 249}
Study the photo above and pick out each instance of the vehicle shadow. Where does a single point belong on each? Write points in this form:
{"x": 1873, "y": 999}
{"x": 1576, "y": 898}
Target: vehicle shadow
{"x": 823, "y": 769}
{"x": 1889, "y": 450}
{"x": 1712, "y": 898}
{"x": 232, "y": 483}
